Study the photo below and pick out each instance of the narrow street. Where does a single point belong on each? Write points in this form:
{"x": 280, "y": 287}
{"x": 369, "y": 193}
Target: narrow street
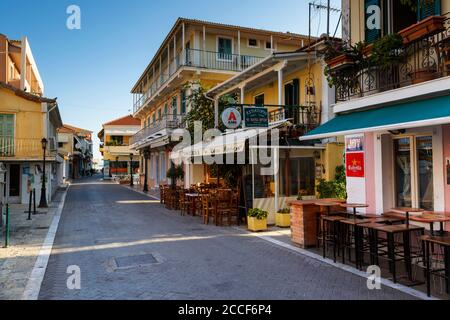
{"x": 128, "y": 246}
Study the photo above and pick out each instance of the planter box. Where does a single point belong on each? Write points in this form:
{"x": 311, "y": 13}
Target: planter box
{"x": 424, "y": 28}
{"x": 282, "y": 220}
{"x": 256, "y": 225}
{"x": 423, "y": 75}
{"x": 340, "y": 62}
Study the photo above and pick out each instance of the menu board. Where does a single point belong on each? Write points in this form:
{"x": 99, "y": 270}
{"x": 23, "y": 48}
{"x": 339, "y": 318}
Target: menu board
{"x": 256, "y": 117}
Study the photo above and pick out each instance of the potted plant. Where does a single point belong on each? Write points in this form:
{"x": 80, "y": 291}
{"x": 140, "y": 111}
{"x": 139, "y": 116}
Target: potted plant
{"x": 283, "y": 218}
{"x": 257, "y": 219}
{"x": 175, "y": 173}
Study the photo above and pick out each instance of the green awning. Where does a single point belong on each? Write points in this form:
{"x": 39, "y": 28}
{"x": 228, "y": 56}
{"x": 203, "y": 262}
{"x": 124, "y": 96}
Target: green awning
{"x": 422, "y": 113}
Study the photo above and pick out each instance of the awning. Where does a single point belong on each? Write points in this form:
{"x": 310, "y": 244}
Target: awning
{"x": 402, "y": 116}
{"x": 233, "y": 142}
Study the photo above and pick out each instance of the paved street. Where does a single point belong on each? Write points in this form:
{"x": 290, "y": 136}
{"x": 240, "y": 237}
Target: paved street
{"x": 108, "y": 230}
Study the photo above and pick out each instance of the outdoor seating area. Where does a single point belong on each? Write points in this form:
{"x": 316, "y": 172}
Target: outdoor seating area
{"x": 212, "y": 203}
{"x": 404, "y": 242}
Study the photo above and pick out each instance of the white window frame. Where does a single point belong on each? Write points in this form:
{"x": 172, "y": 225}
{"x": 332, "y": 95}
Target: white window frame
{"x": 258, "y": 43}
{"x": 274, "y": 45}
{"x": 217, "y": 48}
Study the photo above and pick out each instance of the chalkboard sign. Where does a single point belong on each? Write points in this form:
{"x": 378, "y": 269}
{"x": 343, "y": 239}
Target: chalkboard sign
{"x": 248, "y": 190}
{"x": 256, "y": 117}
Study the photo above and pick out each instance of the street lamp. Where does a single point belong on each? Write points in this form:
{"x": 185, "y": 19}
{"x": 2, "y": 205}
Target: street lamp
{"x": 131, "y": 170}
{"x": 43, "y": 202}
{"x": 146, "y": 156}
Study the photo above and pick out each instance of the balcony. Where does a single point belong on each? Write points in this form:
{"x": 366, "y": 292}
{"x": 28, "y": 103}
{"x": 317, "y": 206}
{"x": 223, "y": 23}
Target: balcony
{"x": 419, "y": 60}
{"x": 198, "y": 59}
{"x": 156, "y": 130}
{"x": 303, "y": 118}
{"x": 11, "y": 147}
{"x": 118, "y": 150}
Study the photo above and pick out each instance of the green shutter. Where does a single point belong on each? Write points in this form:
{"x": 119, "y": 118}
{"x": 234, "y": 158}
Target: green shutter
{"x": 174, "y": 107}
{"x": 427, "y": 8}
{"x": 371, "y": 34}
{"x": 6, "y": 135}
{"x": 183, "y": 102}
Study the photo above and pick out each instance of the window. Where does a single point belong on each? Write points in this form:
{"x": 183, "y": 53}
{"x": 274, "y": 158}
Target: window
{"x": 259, "y": 100}
{"x": 224, "y": 48}
{"x": 253, "y": 43}
{"x": 159, "y": 114}
{"x": 175, "y": 106}
{"x": 6, "y": 135}
{"x": 60, "y": 144}
{"x": 297, "y": 176}
{"x": 183, "y": 102}
{"x": 268, "y": 45}
{"x": 153, "y": 118}
{"x": 166, "y": 109}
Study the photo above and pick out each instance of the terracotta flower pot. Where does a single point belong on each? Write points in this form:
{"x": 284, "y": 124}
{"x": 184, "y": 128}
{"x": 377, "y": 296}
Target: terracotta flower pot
{"x": 340, "y": 61}
{"x": 426, "y": 27}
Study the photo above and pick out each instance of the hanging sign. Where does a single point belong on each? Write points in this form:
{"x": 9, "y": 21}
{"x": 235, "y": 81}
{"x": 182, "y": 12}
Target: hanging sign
{"x": 231, "y": 118}
{"x": 354, "y": 163}
{"x": 354, "y": 144}
{"x": 256, "y": 117}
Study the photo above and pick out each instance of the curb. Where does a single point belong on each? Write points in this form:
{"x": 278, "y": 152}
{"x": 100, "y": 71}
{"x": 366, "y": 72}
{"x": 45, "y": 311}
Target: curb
{"x": 34, "y": 283}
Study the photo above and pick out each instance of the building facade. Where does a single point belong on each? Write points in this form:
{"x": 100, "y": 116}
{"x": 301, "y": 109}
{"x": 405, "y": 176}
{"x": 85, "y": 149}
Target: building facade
{"x": 75, "y": 146}
{"x": 115, "y": 147}
{"x": 26, "y": 117}
{"x": 395, "y": 115}
{"x": 193, "y": 51}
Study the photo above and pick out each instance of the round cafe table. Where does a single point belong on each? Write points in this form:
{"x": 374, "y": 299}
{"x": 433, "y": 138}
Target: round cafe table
{"x": 407, "y": 211}
{"x": 354, "y": 206}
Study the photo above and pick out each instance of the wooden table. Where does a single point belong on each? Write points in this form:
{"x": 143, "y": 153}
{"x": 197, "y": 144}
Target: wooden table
{"x": 193, "y": 202}
{"x": 407, "y": 211}
{"x": 353, "y": 206}
{"x": 328, "y": 205}
{"x": 432, "y": 218}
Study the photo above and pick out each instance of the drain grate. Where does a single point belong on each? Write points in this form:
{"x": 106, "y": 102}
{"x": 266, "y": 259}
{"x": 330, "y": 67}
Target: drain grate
{"x": 135, "y": 261}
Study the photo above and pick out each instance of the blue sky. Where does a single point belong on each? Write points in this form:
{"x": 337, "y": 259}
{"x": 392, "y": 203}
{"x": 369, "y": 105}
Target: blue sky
{"x": 92, "y": 70}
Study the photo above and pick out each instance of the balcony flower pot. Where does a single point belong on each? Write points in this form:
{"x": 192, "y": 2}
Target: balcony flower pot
{"x": 426, "y": 27}
{"x": 340, "y": 62}
{"x": 283, "y": 218}
{"x": 422, "y": 75}
{"x": 257, "y": 220}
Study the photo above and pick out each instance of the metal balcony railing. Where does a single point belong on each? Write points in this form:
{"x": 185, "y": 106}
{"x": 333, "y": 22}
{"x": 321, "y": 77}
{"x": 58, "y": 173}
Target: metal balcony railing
{"x": 169, "y": 121}
{"x": 422, "y": 60}
{"x": 197, "y": 59}
{"x": 27, "y": 148}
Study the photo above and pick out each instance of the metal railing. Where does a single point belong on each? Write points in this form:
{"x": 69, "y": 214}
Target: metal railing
{"x": 418, "y": 61}
{"x": 197, "y": 59}
{"x": 168, "y": 121}
{"x": 28, "y": 148}
{"x": 304, "y": 118}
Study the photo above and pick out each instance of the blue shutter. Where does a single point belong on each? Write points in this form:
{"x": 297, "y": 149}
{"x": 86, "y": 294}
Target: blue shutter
{"x": 371, "y": 35}
{"x": 427, "y": 8}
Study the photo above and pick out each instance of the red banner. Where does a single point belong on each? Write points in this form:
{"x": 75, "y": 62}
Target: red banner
{"x": 354, "y": 163}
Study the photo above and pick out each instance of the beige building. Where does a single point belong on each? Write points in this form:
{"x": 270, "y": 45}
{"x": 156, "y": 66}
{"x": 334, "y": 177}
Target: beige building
{"x": 193, "y": 50}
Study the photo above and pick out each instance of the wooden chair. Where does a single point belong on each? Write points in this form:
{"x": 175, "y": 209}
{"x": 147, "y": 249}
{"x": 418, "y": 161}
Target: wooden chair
{"x": 183, "y": 202}
{"x": 223, "y": 202}
{"x": 207, "y": 207}
{"x": 233, "y": 211}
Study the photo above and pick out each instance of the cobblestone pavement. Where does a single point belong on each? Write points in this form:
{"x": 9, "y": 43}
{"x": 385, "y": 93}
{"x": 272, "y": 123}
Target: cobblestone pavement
{"x": 26, "y": 238}
{"x": 105, "y": 229}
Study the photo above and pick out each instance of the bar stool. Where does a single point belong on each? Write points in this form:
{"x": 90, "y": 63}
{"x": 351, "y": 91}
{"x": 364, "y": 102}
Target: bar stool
{"x": 352, "y": 237}
{"x": 327, "y": 205}
{"x": 331, "y": 234}
{"x": 444, "y": 243}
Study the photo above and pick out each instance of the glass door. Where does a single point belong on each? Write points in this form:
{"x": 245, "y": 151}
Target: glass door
{"x": 413, "y": 170}
{"x": 402, "y": 171}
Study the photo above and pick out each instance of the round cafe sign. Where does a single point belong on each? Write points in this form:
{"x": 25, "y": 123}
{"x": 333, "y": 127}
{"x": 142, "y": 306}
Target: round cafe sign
{"x": 231, "y": 118}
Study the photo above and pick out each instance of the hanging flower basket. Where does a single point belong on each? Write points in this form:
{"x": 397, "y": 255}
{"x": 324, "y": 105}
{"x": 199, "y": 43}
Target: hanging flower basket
{"x": 424, "y": 28}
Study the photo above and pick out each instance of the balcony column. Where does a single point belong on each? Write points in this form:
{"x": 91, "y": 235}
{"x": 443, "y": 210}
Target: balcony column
{"x": 168, "y": 58}
{"x": 183, "y": 42}
{"x": 216, "y": 112}
{"x": 239, "y": 50}
{"x": 279, "y": 70}
{"x": 242, "y": 94}
{"x": 271, "y": 44}
{"x": 204, "y": 48}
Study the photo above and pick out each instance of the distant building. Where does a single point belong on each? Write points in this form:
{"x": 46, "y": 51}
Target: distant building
{"x": 75, "y": 146}
{"x": 115, "y": 147}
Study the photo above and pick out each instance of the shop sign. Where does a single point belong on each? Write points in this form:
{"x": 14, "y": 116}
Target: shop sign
{"x": 354, "y": 163}
{"x": 256, "y": 117}
{"x": 231, "y": 118}
{"x": 354, "y": 144}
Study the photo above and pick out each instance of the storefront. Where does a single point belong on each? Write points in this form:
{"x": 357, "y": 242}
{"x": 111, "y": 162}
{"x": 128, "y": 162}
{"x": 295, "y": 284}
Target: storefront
{"x": 396, "y": 156}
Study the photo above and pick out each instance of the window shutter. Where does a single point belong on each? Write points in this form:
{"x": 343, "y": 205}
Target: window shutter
{"x": 371, "y": 34}
{"x": 183, "y": 102}
{"x": 428, "y": 8}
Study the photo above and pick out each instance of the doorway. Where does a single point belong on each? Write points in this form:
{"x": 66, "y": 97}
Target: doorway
{"x": 14, "y": 183}
{"x": 413, "y": 172}
{"x": 292, "y": 99}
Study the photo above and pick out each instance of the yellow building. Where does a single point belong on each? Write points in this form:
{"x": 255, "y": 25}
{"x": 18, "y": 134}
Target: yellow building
{"x": 115, "y": 146}
{"x": 75, "y": 146}
{"x": 192, "y": 51}
{"x": 293, "y": 89}
{"x": 26, "y": 117}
